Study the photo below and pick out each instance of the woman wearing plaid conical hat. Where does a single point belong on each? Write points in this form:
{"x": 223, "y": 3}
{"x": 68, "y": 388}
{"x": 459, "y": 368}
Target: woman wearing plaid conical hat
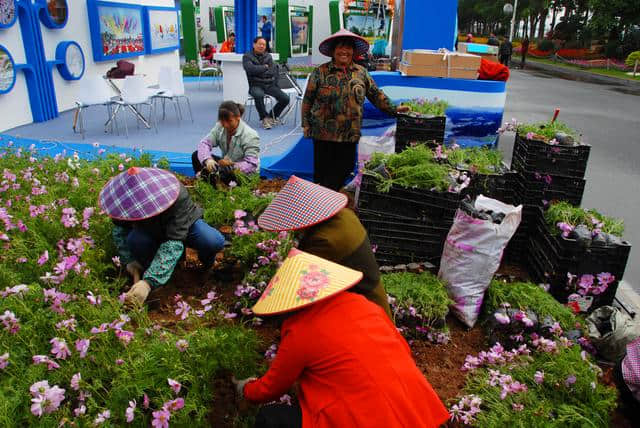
{"x": 353, "y": 367}
{"x": 328, "y": 230}
{"x": 154, "y": 219}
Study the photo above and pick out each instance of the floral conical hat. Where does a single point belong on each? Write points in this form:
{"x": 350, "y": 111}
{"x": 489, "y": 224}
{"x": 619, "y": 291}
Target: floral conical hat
{"x": 299, "y": 204}
{"x": 304, "y": 279}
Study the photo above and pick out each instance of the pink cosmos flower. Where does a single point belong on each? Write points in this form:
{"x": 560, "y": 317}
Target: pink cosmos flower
{"x": 182, "y": 345}
{"x": 119, "y": 362}
{"x": 605, "y": 278}
{"x": 129, "y": 412}
{"x": 161, "y": 419}
{"x": 82, "y": 346}
{"x": 59, "y": 348}
{"x": 39, "y": 388}
{"x": 43, "y": 258}
{"x": 101, "y": 151}
{"x": 102, "y": 329}
{"x": 238, "y": 214}
{"x": 517, "y": 407}
{"x": 17, "y": 290}
{"x": 175, "y": 385}
{"x": 102, "y": 417}
{"x": 79, "y": 411}
{"x": 116, "y": 261}
{"x": 211, "y": 296}
{"x": 230, "y": 315}
{"x": 120, "y": 167}
{"x": 538, "y": 377}
{"x": 232, "y": 184}
{"x": 10, "y": 321}
{"x": 530, "y": 135}
{"x": 4, "y": 361}
{"x": 145, "y": 401}
{"x": 75, "y": 381}
{"x": 124, "y": 336}
{"x": 174, "y": 405}
{"x": 122, "y": 297}
{"x": 570, "y": 380}
{"x": 183, "y": 309}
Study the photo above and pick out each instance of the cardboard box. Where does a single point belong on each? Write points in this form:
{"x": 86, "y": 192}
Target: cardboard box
{"x": 438, "y": 64}
{"x": 423, "y": 57}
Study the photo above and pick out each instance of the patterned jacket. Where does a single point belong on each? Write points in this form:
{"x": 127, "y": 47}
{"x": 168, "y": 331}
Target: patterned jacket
{"x": 333, "y": 103}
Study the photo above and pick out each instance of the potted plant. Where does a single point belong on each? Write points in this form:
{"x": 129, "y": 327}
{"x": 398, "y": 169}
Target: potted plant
{"x": 425, "y": 123}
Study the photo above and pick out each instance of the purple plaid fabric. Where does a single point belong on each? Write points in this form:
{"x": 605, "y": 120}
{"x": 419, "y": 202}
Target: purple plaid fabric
{"x": 326, "y": 47}
{"x": 631, "y": 368}
{"x": 139, "y": 193}
{"x": 301, "y": 204}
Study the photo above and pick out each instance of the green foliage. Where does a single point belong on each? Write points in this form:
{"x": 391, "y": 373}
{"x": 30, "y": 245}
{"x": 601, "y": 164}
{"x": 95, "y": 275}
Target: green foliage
{"x": 424, "y": 292}
{"x": 563, "y": 212}
{"x": 427, "y": 107}
{"x": 586, "y": 403}
{"x": 145, "y": 363}
{"x": 632, "y": 58}
{"x": 524, "y": 295}
{"x": 191, "y": 69}
{"x": 244, "y": 247}
{"x": 547, "y": 130}
{"x": 546, "y": 45}
{"x": 414, "y": 167}
{"x": 479, "y": 159}
{"x": 220, "y": 204}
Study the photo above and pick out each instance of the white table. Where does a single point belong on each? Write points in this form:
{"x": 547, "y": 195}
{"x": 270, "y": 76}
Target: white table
{"x": 234, "y": 80}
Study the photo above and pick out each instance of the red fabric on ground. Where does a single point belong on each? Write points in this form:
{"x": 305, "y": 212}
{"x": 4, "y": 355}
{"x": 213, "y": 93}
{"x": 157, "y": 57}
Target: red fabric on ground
{"x": 490, "y": 70}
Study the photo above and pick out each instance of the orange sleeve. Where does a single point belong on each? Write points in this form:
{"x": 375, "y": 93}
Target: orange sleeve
{"x": 284, "y": 371}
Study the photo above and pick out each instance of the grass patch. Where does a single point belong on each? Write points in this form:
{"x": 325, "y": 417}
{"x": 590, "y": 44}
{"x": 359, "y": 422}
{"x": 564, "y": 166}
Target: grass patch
{"x": 482, "y": 160}
{"x": 524, "y": 295}
{"x": 414, "y": 167}
{"x": 427, "y": 107}
{"x": 563, "y": 212}
{"x": 424, "y": 292}
{"x": 601, "y": 71}
{"x": 548, "y": 130}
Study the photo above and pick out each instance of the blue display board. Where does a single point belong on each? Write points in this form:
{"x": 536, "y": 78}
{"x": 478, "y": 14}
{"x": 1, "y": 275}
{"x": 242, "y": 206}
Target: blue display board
{"x": 430, "y": 24}
{"x": 162, "y": 32}
{"x": 117, "y": 30}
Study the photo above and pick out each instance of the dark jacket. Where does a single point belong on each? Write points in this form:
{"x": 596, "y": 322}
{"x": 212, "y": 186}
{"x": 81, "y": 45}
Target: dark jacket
{"x": 266, "y": 31}
{"x": 174, "y": 223}
{"x": 343, "y": 240}
{"x": 493, "y": 41}
{"x": 506, "y": 48}
{"x": 257, "y": 73}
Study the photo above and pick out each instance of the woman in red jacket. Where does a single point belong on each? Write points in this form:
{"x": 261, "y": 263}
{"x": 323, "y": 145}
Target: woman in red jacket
{"x": 353, "y": 367}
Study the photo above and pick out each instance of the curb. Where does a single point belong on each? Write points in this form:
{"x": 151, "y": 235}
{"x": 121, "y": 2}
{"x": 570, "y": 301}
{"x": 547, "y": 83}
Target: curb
{"x": 581, "y": 75}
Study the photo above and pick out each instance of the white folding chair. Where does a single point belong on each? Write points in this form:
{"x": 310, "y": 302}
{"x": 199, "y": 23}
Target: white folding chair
{"x": 92, "y": 91}
{"x": 251, "y": 102}
{"x": 297, "y": 95}
{"x": 217, "y": 71}
{"x": 171, "y": 87}
{"x": 135, "y": 93}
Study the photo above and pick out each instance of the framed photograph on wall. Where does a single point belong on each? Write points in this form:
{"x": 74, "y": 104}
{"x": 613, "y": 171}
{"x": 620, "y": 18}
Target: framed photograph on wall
{"x": 162, "y": 32}
{"x": 117, "y": 30}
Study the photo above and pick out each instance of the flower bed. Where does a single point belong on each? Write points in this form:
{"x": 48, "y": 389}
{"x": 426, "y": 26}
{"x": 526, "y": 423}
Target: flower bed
{"x": 72, "y": 353}
{"x": 545, "y": 379}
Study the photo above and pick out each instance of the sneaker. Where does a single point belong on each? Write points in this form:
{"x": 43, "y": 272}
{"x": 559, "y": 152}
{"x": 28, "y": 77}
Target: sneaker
{"x": 276, "y": 121}
{"x": 266, "y": 123}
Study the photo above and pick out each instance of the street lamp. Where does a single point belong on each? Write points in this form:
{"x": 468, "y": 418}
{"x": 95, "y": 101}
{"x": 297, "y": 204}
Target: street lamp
{"x": 508, "y": 9}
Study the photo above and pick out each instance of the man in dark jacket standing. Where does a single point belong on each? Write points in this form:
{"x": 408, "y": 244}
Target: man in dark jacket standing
{"x": 262, "y": 74}
{"x": 505, "y": 51}
{"x": 266, "y": 31}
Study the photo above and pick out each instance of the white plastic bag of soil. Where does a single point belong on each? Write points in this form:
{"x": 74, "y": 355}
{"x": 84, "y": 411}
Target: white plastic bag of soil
{"x": 610, "y": 330}
{"x": 472, "y": 254}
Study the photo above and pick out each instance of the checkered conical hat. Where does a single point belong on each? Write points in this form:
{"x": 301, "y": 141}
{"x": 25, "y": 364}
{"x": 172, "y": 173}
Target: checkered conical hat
{"x": 139, "y": 193}
{"x": 302, "y": 280}
{"x": 301, "y": 204}
{"x": 326, "y": 47}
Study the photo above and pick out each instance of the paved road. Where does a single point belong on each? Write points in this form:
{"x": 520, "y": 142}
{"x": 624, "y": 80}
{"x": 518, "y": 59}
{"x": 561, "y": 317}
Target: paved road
{"x": 609, "y": 119}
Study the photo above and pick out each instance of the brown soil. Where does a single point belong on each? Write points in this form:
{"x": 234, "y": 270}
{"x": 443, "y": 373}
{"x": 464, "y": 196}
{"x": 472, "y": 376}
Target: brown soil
{"x": 269, "y": 186}
{"x": 441, "y": 363}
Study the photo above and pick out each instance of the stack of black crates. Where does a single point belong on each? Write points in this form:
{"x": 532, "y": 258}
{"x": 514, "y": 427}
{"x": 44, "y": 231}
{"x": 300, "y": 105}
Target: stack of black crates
{"x": 406, "y": 225}
{"x": 423, "y": 130}
{"x": 544, "y": 173}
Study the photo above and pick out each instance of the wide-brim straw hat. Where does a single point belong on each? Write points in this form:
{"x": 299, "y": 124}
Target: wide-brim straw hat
{"x": 302, "y": 280}
{"x": 300, "y": 204}
{"x": 139, "y": 193}
{"x": 327, "y": 45}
